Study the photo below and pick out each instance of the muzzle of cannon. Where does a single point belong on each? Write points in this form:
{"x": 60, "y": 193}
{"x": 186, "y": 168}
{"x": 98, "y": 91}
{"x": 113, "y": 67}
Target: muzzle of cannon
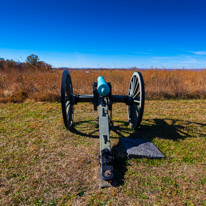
{"x": 102, "y": 87}
{"x": 102, "y": 99}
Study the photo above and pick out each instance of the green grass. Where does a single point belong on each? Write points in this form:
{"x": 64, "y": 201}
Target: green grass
{"x": 43, "y": 164}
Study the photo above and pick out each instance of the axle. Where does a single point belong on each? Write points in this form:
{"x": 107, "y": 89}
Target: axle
{"x": 114, "y": 98}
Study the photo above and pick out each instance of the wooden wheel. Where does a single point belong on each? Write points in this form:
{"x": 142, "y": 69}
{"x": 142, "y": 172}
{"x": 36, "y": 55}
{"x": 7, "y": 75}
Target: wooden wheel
{"x": 66, "y": 100}
{"x": 137, "y": 92}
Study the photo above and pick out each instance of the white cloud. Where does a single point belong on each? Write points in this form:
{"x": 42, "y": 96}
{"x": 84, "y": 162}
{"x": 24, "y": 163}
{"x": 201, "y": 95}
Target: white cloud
{"x": 198, "y": 52}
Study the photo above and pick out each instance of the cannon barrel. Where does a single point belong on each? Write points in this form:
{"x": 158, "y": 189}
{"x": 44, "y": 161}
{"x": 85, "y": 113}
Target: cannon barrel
{"x": 102, "y": 87}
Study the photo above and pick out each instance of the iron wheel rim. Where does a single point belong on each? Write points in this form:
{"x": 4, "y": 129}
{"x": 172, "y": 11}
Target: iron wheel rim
{"x": 137, "y": 93}
{"x": 66, "y": 100}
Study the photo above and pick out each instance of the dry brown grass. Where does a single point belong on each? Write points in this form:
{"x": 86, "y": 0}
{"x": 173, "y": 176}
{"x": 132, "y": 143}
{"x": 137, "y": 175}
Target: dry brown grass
{"x": 17, "y": 86}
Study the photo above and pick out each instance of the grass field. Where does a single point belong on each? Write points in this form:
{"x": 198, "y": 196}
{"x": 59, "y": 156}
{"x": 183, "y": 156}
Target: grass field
{"x": 43, "y": 164}
{"x": 44, "y": 85}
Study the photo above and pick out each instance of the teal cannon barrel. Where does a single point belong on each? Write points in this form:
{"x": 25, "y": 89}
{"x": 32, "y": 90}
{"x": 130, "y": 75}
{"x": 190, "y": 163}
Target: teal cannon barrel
{"x": 102, "y": 87}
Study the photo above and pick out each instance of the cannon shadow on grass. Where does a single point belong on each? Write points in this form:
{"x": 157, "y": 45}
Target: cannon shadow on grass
{"x": 81, "y": 130}
{"x": 172, "y": 129}
{"x": 150, "y": 129}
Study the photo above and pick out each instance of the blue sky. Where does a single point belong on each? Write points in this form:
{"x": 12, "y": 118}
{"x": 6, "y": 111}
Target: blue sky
{"x": 105, "y": 33}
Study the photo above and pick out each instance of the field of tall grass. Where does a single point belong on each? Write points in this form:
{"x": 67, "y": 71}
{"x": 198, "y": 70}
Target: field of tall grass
{"x": 37, "y": 85}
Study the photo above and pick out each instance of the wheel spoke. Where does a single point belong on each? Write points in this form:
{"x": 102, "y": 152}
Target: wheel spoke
{"x": 134, "y": 116}
{"x": 135, "y": 81}
{"x": 67, "y": 103}
{"x": 136, "y": 101}
{"x": 68, "y": 109}
{"x": 136, "y": 88}
{"x": 137, "y": 94}
{"x": 129, "y": 92}
{"x": 132, "y": 88}
{"x": 67, "y": 92}
{"x": 69, "y": 115}
{"x": 136, "y": 109}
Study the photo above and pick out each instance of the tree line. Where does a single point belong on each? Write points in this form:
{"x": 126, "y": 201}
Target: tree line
{"x": 32, "y": 62}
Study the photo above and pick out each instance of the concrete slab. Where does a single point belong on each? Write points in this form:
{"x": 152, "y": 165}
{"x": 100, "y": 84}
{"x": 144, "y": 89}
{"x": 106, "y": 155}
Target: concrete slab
{"x": 140, "y": 148}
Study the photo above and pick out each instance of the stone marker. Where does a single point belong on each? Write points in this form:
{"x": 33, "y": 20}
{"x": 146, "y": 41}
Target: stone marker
{"x": 140, "y": 148}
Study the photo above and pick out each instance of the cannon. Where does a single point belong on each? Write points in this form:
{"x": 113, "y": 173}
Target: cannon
{"x": 102, "y": 100}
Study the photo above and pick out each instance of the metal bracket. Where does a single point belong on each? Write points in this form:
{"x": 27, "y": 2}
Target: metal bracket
{"x": 107, "y": 164}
